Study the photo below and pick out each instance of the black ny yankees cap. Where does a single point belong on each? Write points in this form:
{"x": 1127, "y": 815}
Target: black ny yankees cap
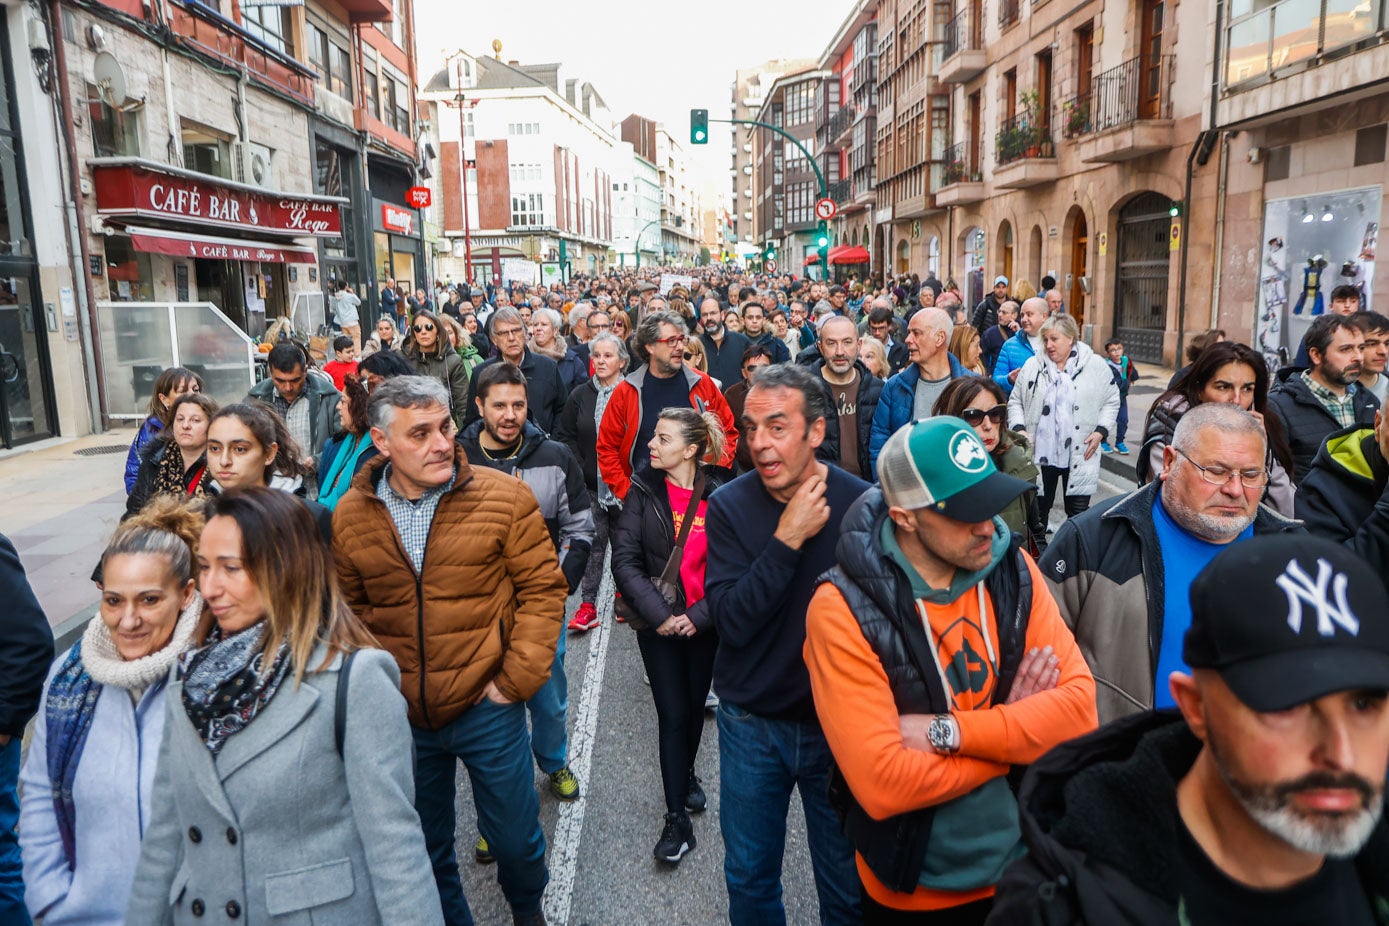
{"x": 1288, "y": 619}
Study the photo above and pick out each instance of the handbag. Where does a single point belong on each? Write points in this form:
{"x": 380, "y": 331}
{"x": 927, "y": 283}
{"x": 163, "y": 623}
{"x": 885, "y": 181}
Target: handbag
{"x": 668, "y": 582}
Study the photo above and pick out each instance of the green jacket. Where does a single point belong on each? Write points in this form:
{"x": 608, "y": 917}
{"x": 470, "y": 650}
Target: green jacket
{"x": 1017, "y": 461}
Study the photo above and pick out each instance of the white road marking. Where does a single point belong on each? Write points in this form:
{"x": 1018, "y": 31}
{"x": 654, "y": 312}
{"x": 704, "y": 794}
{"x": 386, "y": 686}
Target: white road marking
{"x": 564, "y": 846}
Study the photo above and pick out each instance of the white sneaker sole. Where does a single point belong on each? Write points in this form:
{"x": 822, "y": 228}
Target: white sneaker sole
{"x": 673, "y": 859}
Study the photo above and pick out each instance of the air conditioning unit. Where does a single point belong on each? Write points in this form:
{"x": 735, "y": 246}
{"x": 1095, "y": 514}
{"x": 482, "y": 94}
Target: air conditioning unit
{"x": 251, "y": 164}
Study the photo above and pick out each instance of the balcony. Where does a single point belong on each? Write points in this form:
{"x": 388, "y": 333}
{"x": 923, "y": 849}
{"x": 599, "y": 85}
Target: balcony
{"x": 1009, "y": 12}
{"x": 962, "y": 54}
{"x": 841, "y": 124}
{"x": 1025, "y": 155}
{"x": 1294, "y": 32}
{"x": 1125, "y": 114}
{"x": 961, "y": 180}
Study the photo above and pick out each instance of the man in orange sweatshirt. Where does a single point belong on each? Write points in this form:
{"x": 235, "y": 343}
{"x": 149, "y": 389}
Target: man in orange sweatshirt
{"x": 938, "y": 660}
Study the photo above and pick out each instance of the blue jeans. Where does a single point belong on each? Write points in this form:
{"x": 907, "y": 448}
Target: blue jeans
{"x": 491, "y": 741}
{"x": 547, "y": 707}
{"x": 760, "y": 762}
{"x": 1121, "y": 426}
{"x": 12, "y": 909}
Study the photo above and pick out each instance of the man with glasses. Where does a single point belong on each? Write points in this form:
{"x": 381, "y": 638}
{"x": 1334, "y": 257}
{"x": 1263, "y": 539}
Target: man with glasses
{"x": 1121, "y": 570}
{"x": 664, "y": 381}
{"x": 545, "y": 392}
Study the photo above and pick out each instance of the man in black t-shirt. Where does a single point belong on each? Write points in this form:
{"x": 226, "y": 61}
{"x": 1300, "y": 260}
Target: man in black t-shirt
{"x": 1262, "y": 800}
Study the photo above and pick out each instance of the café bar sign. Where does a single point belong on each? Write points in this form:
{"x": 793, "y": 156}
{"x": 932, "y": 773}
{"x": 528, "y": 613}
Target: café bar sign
{"x": 144, "y": 189}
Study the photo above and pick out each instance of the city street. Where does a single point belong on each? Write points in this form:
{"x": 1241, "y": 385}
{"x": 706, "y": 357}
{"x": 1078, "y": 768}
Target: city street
{"x": 62, "y": 509}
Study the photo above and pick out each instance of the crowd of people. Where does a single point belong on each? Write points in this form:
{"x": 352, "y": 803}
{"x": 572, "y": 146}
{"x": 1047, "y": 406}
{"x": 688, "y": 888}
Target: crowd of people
{"x": 827, "y": 511}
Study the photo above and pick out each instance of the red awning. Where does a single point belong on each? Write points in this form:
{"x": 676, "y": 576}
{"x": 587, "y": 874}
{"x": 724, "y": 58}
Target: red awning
{"x": 850, "y": 255}
{"x": 183, "y": 244}
{"x": 812, "y": 258}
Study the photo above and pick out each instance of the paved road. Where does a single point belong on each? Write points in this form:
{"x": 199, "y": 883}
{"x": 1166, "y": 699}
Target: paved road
{"x": 601, "y": 869}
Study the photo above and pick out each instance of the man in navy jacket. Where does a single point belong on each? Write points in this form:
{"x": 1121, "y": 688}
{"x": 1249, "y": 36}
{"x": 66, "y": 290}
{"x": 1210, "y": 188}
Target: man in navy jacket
{"x": 26, "y": 651}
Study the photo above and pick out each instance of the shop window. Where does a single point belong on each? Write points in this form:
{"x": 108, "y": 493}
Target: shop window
{"x": 1369, "y": 145}
{"x": 114, "y": 133}
{"x": 129, "y": 277}
{"x": 273, "y": 25}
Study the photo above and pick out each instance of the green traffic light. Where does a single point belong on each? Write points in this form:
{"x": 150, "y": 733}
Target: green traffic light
{"x": 823, "y": 241}
{"x": 699, "y": 126}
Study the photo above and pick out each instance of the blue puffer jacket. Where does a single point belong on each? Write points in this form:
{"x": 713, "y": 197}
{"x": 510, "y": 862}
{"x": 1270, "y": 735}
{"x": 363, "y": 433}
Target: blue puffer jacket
{"x": 148, "y": 432}
{"x": 895, "y": 406}
{"x": 1016, "y": 351}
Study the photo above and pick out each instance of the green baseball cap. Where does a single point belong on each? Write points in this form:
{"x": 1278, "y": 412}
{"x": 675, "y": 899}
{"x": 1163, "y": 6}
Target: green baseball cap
{"x": 941, "y": 464}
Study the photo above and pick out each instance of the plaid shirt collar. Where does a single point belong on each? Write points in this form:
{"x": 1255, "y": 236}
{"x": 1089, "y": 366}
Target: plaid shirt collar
{"x": 412, "y": 519}
{"x": 1341, "y": 407}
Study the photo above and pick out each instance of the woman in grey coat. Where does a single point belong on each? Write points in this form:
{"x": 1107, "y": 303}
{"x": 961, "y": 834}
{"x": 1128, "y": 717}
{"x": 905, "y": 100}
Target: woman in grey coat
{"x": 262, "y": 812}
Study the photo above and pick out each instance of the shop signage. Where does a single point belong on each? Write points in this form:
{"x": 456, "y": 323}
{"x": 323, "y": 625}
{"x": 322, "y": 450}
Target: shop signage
{"x": 206, "y": 247}
{"x": 397, "y": 219}
{"x": 133, "y": 187}
{"x": 419, "y": 197}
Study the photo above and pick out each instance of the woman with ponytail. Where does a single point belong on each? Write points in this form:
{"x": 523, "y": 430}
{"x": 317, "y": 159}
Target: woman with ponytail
{"x": 88, "y": 777}
{"x": 676, "y": 638}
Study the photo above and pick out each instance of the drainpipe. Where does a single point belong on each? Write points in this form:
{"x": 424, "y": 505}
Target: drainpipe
{"x": 76, "y": 221}
{"x": 1221, "y": 183}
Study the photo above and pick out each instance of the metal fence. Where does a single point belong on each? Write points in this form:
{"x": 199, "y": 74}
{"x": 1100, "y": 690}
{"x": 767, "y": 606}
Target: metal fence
{"x": 959, "y": 164}
{"x": 1021, "y": 137}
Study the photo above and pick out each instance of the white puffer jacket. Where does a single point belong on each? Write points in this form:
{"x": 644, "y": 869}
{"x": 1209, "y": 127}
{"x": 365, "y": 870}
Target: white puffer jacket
{"x": 1097, "y": 406}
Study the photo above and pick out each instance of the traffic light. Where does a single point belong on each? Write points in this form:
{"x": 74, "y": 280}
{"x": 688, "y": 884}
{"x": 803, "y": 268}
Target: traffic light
{"x": 1175, "y": 209}
{"x": 822, "y": 241}
{"x": 769, "y": 252}
{"x": 699, "y": 126}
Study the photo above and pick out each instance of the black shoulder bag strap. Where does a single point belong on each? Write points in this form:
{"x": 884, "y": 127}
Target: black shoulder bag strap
{"x": 340, "y": 702}
{"x": 671, "y": 573}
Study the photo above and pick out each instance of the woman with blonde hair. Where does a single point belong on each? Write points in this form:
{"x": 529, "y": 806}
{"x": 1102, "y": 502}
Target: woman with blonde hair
{"x": 874, "y": 356}
{"x": 1023, "y": 290}
{"x": 285, "y": 779}
{"x": 661, "y": 533}
{"x": 88, "y": 778}
{"x": 695, "y": 357}
{"x": 462, "y": 343}
{"x": 965, "y": 345}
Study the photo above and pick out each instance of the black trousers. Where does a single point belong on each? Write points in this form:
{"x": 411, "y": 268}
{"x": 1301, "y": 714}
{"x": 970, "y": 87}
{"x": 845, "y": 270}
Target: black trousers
{"x": 604, "y": 522}
{"x": 970, "y": 914}
{"x": 680, "y": 669}
{"x": 1075, "y": 504}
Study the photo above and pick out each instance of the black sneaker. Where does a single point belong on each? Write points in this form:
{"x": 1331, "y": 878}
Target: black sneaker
{"x": 677, "y": 838}
{"x": 695, "y": 799}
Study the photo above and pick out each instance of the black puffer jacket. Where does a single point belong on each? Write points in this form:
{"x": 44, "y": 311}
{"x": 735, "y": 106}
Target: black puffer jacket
{"x": 642, "y": 542}
{"x": 1099, "y": 817}
{"x": 1307, "y": 422}
{"x": 1345, "y": 496}
{"x": 578, "y": 430}
{"x": 869, "y": 391}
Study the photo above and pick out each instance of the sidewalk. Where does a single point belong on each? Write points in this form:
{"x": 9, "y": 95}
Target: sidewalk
{"x": 63, "y": 499}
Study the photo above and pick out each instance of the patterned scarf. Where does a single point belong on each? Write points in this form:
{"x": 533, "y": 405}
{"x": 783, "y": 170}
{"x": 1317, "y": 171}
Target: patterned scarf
{"x": 1054, "y": 430}
{"x": 223, "y": 686}
{"x": 71, "y": 705}
{"x": 172, "y": 479}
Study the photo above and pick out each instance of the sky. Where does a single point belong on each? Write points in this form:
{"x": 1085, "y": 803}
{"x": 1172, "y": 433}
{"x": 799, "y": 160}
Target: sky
{"x": 646, "y": 57}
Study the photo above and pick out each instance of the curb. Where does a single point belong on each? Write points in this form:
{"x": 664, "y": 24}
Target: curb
{"x": 1122, "y": 466}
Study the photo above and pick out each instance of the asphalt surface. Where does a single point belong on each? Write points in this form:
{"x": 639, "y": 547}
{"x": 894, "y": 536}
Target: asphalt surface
{"x": 599, "y": 848}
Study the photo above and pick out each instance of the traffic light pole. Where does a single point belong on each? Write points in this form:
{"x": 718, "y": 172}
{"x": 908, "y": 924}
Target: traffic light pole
{"x": 819, "y": 174}
{"x": 636, "y": 245}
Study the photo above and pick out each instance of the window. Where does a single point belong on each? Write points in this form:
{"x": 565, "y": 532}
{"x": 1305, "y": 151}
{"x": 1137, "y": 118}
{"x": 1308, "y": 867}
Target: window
{"x": 332, "y": 62}
{"x": 523, "y": 128}
{"x": 468, "y": 124}
{"x": 399, "y": 116}
{"x": 527, "y": 209}
{"x": 114, "y": 133}
{"x": 371, "y": 84}
{"x": 273, "y": 25}
{"x": 528, "y": 175}
{"x": 206, "y": 153}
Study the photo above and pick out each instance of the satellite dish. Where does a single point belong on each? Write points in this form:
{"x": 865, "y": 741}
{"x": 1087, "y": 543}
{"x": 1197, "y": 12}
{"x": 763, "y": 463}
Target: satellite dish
{"x": 109, "y": 78}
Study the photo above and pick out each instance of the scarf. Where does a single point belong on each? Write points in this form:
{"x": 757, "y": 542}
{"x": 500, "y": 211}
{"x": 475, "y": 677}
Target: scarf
{"x": 606, "y": 498}
{"x": 556, "y": 351}
{"x": 223, "y": 686}
{"x": 1055, "y": 429}
{"x": 170, "y": 478}
{"x": 338, "y": 479}
{"x": 91, "y": 664}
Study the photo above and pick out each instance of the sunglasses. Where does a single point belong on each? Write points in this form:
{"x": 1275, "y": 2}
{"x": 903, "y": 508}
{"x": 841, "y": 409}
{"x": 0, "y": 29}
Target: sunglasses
{"x": 419, "y": 328}
{"x": 974, "y": 417}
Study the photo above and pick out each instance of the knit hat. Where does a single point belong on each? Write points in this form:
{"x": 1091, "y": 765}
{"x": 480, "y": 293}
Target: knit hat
{"x": 940, "y": 463}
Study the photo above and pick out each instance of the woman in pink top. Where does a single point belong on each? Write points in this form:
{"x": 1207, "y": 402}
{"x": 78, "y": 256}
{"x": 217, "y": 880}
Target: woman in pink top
{"x": 676, "y": 640}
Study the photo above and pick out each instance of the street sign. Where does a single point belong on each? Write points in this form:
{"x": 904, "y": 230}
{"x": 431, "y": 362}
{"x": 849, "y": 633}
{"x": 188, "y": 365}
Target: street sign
{"x": 419, "y": 197}
{"x": 825, "y": 209}
{"x": 771, "y": 266}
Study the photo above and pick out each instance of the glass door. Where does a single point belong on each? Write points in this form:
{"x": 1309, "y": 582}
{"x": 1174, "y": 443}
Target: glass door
{"x": 24, "y": 396}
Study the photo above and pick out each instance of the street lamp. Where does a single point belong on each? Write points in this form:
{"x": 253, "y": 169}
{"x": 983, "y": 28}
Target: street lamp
{"x": 462, "y": 103}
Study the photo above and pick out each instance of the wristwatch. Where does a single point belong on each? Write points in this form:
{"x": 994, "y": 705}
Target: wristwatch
{"x": 942, "y": 734}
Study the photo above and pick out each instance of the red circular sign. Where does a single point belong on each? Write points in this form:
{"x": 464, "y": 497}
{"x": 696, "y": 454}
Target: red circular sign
{"x": 825, "y": 208}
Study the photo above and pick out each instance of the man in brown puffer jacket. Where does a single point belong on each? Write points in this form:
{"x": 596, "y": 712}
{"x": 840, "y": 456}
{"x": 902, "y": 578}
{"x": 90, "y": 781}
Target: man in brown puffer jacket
{"x": 453, "y": 570}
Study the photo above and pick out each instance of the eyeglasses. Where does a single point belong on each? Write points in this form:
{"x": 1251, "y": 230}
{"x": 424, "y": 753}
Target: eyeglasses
{"x": 674, "y": 340}
{"x": 419, "y": 328}
{"x": 1218, "y": 475}
{"x": 974, "y": 417}
{"x": 508, "y": 332}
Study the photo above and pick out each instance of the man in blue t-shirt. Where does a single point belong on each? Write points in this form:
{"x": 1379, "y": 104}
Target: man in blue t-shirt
{"x": 1121, "y": 572}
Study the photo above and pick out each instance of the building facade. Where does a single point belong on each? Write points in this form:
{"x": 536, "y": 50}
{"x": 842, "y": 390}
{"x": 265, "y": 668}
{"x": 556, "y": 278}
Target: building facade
{"x": 636, "y": 206}
{"x": 846, "y": 135}
{"x": 540, "y": 158}
{"x": 785, "y": 187}
{"x": 749, "y": 92}
{"x": 682, "y": 217}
